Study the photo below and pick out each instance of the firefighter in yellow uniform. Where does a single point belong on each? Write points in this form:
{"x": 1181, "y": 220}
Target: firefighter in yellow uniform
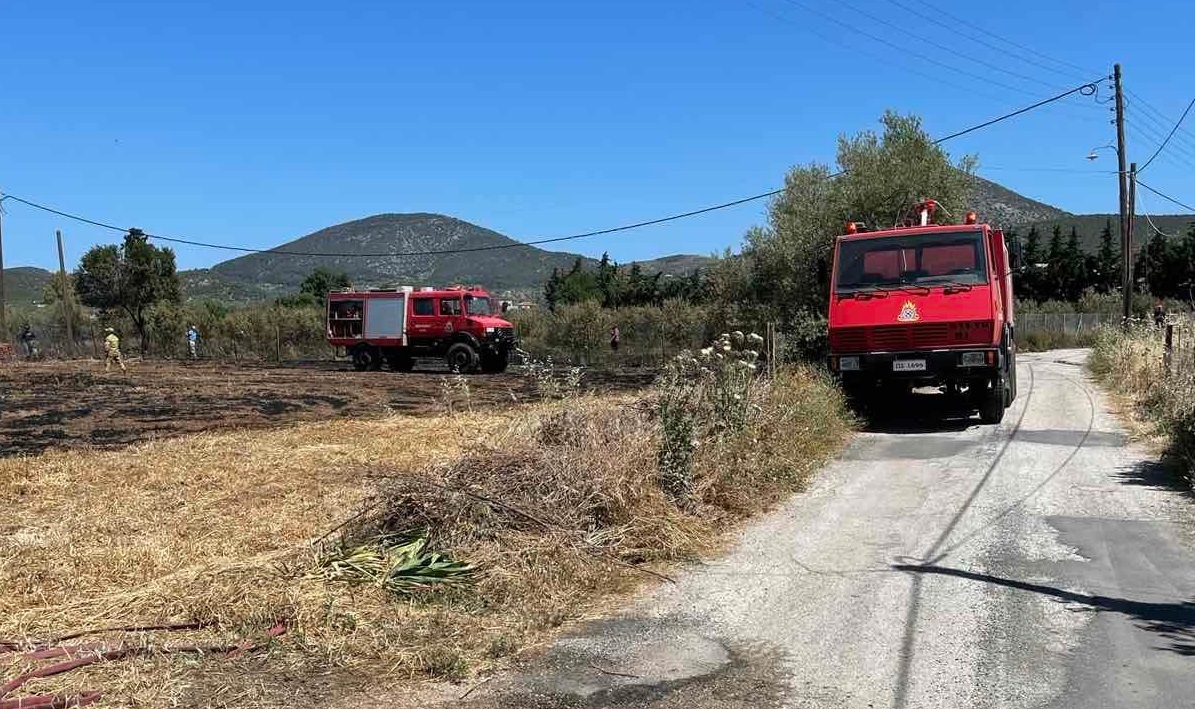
{"x": 112, "y": 348}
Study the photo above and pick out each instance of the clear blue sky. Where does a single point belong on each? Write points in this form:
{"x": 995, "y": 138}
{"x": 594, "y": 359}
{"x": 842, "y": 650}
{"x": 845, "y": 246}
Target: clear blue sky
{"x": 253, "y": 123}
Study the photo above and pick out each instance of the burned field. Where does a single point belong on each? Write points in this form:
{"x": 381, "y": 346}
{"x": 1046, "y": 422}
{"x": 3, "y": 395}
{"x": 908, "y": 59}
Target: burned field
{"x": 79, "y": 405}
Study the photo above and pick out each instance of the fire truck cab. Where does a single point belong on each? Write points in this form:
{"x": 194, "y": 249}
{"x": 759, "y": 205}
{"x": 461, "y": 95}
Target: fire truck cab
{"x": 393, "y": 327}
{"x": 924, "y": 305}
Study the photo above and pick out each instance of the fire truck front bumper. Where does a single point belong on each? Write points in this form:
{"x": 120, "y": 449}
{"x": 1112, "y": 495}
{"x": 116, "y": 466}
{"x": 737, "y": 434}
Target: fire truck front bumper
{"x": 501, "y": 340}
{"x": 927, "y": 367}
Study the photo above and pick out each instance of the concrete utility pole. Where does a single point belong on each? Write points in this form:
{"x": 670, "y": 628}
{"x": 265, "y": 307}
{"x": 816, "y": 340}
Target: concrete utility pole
{"x": 64, "y": 297}
{"x": 1122, "y": 179}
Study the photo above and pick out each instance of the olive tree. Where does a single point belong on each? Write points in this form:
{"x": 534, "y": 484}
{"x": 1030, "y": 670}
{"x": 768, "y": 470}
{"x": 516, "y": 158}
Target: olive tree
{"x": 880, "y": 177}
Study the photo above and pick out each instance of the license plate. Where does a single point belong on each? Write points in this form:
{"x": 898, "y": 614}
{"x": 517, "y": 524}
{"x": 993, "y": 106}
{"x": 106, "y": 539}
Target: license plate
{"x": 908, "y": 365}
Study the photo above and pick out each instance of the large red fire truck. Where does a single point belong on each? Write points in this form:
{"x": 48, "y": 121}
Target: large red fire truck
{"x": 392, "y": 327}
{"x": 925, "y": 305}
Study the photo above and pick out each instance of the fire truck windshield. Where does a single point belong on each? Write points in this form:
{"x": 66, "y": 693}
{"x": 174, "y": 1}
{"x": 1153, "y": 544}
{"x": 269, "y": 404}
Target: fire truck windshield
{"x": 911, "y": 259}
{"x": 477, "y": 306}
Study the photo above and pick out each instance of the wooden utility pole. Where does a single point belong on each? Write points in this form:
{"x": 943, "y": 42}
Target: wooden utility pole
{"x": 1122, "y": 180}
{"x": 1128, "y": 264}
{"x": 64, "y": 297}
{"x": 3, "y": 316}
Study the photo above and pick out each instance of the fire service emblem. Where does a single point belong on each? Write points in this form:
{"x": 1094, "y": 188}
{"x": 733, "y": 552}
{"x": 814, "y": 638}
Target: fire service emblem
{"x": 908, "y": 312}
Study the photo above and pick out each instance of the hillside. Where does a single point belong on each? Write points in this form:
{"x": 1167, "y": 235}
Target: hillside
{"x": 24, "y": 285}
{"x": 1002, "y": 207}
{"x": 362, "y": 246}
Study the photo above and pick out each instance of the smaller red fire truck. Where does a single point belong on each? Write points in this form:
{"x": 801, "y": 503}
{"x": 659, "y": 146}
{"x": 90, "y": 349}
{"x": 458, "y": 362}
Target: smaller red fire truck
{"x": 925, "y": 305}
{"x": 393, "y": 327}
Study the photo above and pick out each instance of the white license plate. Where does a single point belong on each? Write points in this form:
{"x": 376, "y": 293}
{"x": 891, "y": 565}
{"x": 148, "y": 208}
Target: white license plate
{"x": 908, "y": 365}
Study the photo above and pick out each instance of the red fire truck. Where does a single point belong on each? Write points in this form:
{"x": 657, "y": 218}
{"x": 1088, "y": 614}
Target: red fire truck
{"x": 392, "y": 327}
{"x": 925, "y": 305}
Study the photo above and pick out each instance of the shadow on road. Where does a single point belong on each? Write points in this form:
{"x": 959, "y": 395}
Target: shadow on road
{"x": 920, "y": 413}
{"x": 1173, "y": 621}
{"x": 1163, "y": 475}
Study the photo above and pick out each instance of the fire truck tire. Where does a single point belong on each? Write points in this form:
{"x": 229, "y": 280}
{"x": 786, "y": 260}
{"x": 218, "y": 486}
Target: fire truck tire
{"x": 991, "y": 409}
{"x": 366, "y": 357}
{"x": 494, "y": 364}
{"x": 400, "y": 362}
{"x": 462, "y": 358}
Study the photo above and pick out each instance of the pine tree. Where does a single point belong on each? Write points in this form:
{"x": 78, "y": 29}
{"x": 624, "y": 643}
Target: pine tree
{"x": 1108, "y": 260}
{"x": 1052, "y": 287}
{"x": 1074, "y": 274}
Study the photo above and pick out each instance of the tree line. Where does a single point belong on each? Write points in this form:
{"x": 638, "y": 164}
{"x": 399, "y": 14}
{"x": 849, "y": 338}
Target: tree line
{"x": 615, "y": 287}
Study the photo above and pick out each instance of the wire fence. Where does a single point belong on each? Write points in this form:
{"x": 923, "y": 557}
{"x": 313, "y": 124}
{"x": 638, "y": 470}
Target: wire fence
{"x": 1064, "y": 323}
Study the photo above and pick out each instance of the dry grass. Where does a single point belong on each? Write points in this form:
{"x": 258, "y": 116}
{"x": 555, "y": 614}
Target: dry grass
{"x": 553, "y": 503}
{"x": 1160, "y": 397}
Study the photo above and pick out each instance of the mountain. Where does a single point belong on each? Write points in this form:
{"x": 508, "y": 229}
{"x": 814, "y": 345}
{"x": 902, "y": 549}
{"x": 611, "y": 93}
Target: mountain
{"x": 1002, "y": 207}
{"x": 24, "y": 285}
{"x": 362, "y": 246}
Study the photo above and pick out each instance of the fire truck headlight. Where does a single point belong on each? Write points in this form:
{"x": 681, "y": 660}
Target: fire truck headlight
{"x": 848, "y": 364}
{"x": 489, "y": 331}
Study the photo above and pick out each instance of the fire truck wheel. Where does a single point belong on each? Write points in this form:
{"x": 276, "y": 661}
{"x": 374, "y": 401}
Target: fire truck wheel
{"x": 494, "y": 364}
{"x": 365, "y": 357}
{"x": 991, "y": 410}
{"x": 400, "y": 363}
{"x": 462, "y": 358}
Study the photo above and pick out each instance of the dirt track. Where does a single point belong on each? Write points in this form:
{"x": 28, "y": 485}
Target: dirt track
{"x": 78, "y": 404}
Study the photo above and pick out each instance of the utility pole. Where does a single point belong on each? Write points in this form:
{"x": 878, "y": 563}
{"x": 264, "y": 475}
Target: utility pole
{"x": 1122, "y": 181}
{"x": 1128, "y": 263}
{"x": 3, "y": 316}
{"x": 64, "y": 297}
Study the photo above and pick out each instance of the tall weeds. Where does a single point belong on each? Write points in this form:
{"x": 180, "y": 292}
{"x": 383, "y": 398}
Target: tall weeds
{"x": 1133, "y": 363}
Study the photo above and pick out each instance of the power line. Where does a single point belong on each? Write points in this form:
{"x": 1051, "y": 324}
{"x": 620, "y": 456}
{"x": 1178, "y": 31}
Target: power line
{"x": 978, "y": 38}
{"x": 439, "y": 252}
{"x": 1178, "y": 154}
{"x": 950, "y": 50}
{"x": 1168, "y": 137}
{"x": 977, "y": 28}
{"x": 924, "y": 57}
{"x": 1072, "y": 170}
{"x": 1159, "y": 121}
{"x": 1084, "y": 89}
{"x": 1166, "y": 197}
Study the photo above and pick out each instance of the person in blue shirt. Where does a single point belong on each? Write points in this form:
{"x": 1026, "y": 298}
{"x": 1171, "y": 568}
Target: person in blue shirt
{"x": 193, "y": 341}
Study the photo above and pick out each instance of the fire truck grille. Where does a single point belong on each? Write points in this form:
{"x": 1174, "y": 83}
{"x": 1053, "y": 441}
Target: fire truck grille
{"x": 900, "y": 338}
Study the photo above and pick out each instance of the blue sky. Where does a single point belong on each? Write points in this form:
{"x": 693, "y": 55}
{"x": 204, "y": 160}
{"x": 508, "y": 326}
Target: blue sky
{"x": 252, "y": 123}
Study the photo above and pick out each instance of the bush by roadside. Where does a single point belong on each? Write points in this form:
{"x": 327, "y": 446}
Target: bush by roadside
{"x": 1132, "y": 364}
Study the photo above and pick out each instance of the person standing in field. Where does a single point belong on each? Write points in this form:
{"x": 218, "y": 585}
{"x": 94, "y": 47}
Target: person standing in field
{"x": 193, "y": 341}
{"x": 112, "y": 350}
{"x": 615, "y": 338}
{"x": 27, "y": 339}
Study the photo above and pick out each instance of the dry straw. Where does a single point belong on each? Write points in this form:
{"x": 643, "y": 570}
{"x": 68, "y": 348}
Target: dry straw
{"x": 553, "y": 507}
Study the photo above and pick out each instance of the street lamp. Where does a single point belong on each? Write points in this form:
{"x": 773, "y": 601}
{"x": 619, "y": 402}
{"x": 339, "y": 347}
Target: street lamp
{"x": 1093, "y": 154}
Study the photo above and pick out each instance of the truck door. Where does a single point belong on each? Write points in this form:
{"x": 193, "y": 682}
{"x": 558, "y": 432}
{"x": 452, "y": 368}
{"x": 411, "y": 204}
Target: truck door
{"x": 452, "y": 315}
{"x": 422, "y": 327}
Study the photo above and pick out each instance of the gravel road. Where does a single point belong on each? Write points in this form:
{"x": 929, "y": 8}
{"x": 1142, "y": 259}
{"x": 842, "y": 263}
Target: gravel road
{"x": 1044, "y": 562}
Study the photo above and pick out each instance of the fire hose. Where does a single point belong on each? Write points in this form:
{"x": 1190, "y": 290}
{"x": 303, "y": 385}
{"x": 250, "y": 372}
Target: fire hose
{"x": 84, "y": 654}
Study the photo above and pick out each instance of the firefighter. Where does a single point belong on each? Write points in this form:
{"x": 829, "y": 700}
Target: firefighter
{"x": 615, "y": 338}
{"x": 193, "y": 341}
{"x": 1159, "y": 313}
{"x": 112, "y": 350}
{"x": 27, "y": 339}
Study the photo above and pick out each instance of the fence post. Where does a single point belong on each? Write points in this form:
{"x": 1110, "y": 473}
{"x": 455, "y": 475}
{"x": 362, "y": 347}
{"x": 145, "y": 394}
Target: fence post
{"x": 1166, "y": 358}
